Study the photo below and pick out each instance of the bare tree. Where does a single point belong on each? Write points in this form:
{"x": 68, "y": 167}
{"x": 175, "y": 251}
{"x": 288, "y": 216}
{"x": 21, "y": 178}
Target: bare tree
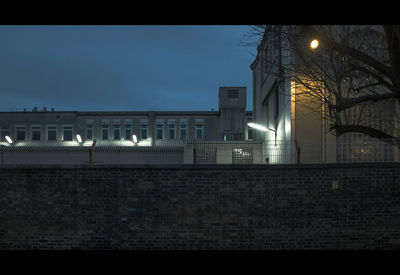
{"x": 354, "y": 73}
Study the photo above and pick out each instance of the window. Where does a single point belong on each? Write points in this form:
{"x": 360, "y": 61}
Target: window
{"x": 249, "y": 133}
{"x": 249, "y": 129}
{"x": 266, "y": 57}
{"x": 67, "y": 133}
{"x": 160, "y": 131}
{"x": 199, "y": 131}
{"x": 36, "y": 130}
{"x": 171, "y": 131}
{"x": 51, "y": 132}
{"x": 266, "y": 109}
{"x": 183, "y": 131}
{"x": 104, "y": 132}
{"x": 5, "y": 131}
{"x": 117, "y": 131}
{"x": 89, "y": 129}
{"x": 20, "y": 131}
{"x": 233, "y": 93}
{"x": 128, "y": 129}
{"x": 143, "y": 129}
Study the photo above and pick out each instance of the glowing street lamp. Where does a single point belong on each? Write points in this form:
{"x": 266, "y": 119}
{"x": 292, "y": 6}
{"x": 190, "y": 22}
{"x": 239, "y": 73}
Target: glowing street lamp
{"x": 78, "y": 137}
{"x": 314, "y": 44}
{"x": 134, "y": 138}
{"x": 9, "y": 140}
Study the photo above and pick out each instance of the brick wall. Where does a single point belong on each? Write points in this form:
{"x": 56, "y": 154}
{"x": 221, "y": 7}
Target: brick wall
{"x": 352, "y": 206}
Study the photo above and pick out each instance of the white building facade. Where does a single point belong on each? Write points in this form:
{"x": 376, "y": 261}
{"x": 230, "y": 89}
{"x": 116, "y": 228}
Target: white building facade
{"x": 142, "y": 136}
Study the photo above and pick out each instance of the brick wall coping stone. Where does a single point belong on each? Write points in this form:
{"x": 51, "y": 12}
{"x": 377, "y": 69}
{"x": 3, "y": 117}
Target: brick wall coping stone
{"x": 203, "y": 166}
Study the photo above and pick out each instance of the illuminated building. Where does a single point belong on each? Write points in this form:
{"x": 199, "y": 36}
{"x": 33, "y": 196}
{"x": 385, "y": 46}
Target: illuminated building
{"x": 295, "y": 128}
{"x": 52, "y": 128}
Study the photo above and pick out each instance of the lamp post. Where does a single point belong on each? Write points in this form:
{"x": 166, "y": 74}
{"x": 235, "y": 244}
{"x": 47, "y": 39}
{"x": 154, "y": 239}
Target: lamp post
{"x": 2, "y": 152}
{"x": 91, "y": 152}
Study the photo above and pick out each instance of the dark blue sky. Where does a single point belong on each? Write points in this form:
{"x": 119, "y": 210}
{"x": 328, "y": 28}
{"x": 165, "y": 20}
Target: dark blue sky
{"x": 121, "y": 68}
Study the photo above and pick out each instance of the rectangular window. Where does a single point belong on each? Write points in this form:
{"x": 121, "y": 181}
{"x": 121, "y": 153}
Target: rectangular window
{"x": 117, "y": 132}
{"x": 104, "y": 132}
{"x": 171, "y": 131}
{"x": 143, "y": 131}
{"x": 183, "y": 131}
{"x": 233, "y": 93}
{"x": 67, "y": 133}
{"x": 199, "y": 131}
{"x": 4, "y": 132}
{"x": 20, "y": 131}
{"x": 128, "y": 129}
{"x": 249, "y": 133}
{"x": 89, "y": 129}
{"x": 36, "y": 131}
{"x": 160, "y": 131}
{"x": 51, "y": 132}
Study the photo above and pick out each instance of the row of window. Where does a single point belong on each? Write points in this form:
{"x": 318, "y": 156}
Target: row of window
{"x": 36, "y": 133}
{"x": 67, "y": 134}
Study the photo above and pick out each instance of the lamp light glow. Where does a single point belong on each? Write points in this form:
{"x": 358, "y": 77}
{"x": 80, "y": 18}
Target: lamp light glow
{"x": 78, "y": 137}
{"x": 257, "y": 126}
{"x": 9, "y": 140}
{"x": 314, "y": 44}
{"x": 134, "y": 138}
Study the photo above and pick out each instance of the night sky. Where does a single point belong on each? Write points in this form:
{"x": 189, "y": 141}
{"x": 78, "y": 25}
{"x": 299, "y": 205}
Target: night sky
{"x": 121, "y": 68}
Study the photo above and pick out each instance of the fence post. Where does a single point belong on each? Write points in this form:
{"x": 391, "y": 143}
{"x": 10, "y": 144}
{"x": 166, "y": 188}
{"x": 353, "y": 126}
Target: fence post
{"x": 2, "y": 153}
{"x": 91, "y": 151}
{"x": 194, "y": 153}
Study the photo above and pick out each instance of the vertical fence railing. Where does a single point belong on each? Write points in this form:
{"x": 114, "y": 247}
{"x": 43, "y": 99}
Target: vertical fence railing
{"x": 312, "y": 151}
{"x": 210, "y": 152}
{"x": 81, "y": 155}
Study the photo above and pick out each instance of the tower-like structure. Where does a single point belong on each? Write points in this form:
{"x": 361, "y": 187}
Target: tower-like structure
{"x": 232, "y": 108}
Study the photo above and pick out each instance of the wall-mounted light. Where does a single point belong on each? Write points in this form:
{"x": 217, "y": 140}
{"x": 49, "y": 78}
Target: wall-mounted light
{"x": 9, "y": 140}
{"x": 78, "y": 137}
{"x": 262, "y": 128}
{"x": 134, "y": 138}
{"x": 257, "y": 126}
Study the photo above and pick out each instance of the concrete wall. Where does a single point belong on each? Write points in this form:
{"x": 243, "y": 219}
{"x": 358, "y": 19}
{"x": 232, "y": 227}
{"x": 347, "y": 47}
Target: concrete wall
{"x": 352, "y": 206}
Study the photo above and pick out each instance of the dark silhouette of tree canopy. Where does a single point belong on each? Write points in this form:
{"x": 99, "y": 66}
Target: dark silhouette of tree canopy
{"x": 354, "y": 73}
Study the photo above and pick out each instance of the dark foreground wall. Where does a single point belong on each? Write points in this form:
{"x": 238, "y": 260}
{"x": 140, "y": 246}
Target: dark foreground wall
{"x": 200, "y": 207}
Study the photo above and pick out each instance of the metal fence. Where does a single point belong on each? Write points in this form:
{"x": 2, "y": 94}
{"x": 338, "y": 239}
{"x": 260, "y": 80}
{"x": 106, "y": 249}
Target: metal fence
{"x": 80, "y": 155}
{"x": 210, "y": 152}
{"x": 162, "y": 152}
{"x": 335, "y": 151}
{"x": 224, "y": 152}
